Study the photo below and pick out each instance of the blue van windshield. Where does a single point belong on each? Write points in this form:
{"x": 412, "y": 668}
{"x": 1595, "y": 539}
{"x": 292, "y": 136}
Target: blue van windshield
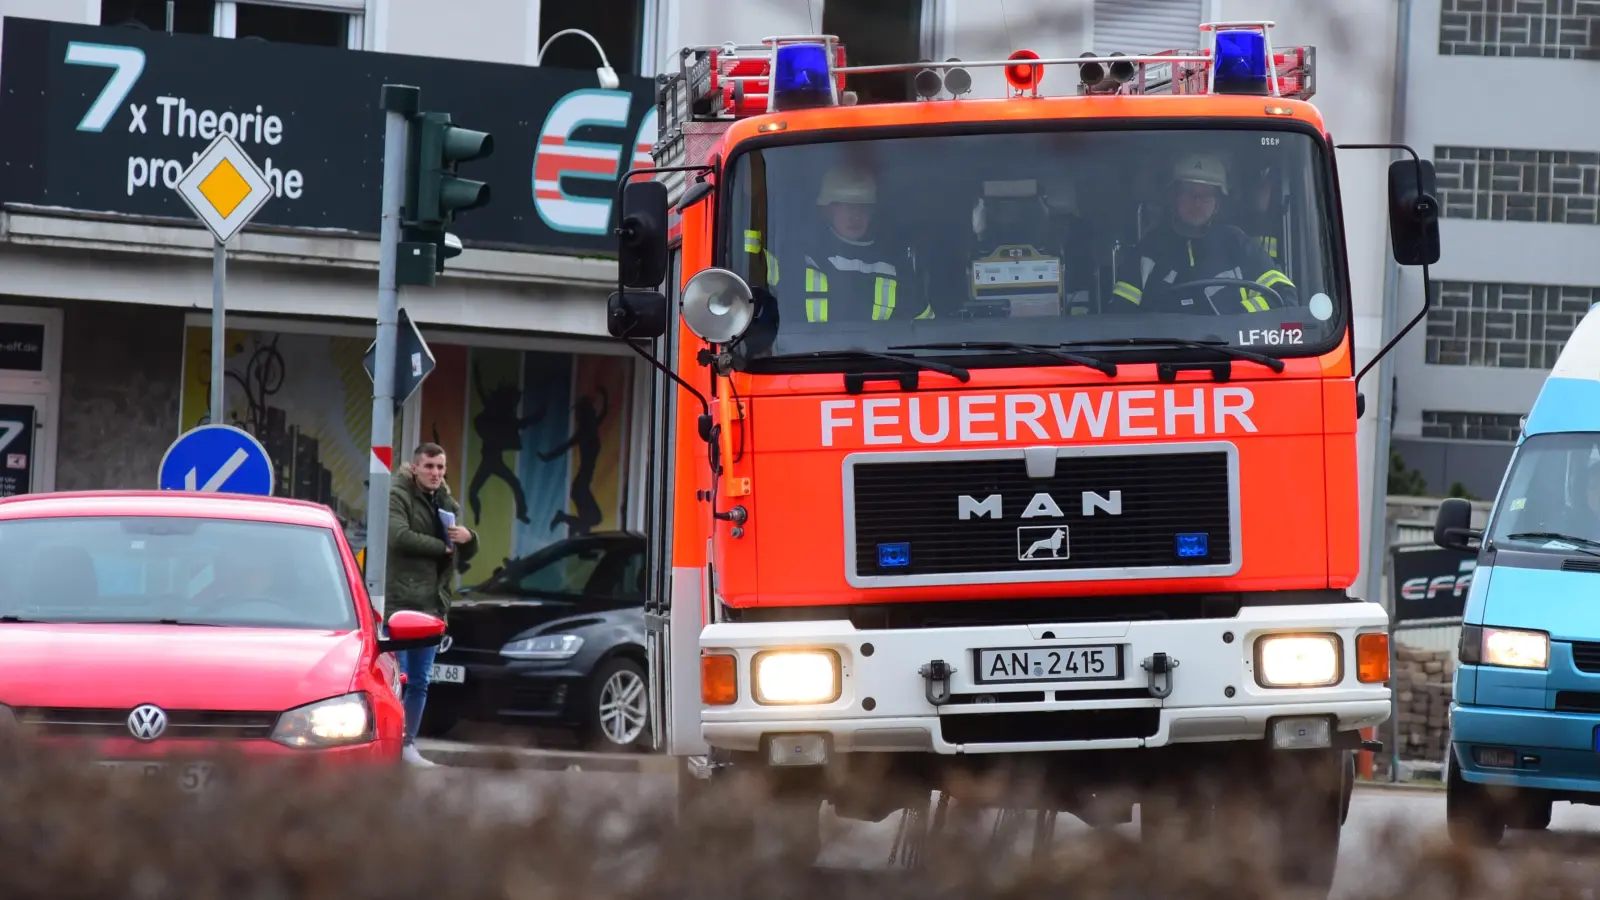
{"x": 1553, "y": 488}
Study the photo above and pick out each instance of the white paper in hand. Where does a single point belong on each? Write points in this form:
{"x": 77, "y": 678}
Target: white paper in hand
{"x": 449, "y": 520}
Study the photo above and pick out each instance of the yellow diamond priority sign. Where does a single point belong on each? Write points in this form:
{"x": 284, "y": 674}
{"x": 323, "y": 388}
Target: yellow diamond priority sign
{"x": 224, "y": 188}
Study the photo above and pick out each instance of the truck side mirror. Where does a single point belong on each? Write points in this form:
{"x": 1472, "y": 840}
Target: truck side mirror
{"x": 642, "y": 244}
{"x": 636, "y": 315}
{"x": 1414, "y": 212}
{"x": 1452, "y": 527}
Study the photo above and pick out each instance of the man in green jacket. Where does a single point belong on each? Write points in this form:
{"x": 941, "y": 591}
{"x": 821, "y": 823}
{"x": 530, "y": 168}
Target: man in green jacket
{"x": 424, "y": 554}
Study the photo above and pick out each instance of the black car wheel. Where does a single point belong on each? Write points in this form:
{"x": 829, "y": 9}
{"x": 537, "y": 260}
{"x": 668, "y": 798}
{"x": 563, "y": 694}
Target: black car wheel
{"x": 619, "y": 707}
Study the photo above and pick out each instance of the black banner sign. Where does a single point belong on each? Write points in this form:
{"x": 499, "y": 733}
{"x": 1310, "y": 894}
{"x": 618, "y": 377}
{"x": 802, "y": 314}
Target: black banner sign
{"x": 21, "y": 347}
{"x": 16, "y": 450}
{"x": 106, "y": 119}
{"x": 1428, "y": 582}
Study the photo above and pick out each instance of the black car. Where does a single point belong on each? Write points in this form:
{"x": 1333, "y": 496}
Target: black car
{"x": 554, "y": 639}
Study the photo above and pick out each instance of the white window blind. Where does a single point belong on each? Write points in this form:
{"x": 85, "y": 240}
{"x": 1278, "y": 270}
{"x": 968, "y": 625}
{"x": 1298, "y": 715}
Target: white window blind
{"x": 1146, "y": 26}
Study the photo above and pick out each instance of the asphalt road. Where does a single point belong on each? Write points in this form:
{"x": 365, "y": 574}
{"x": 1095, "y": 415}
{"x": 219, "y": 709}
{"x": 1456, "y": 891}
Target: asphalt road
{"x": 1379, "y": 818}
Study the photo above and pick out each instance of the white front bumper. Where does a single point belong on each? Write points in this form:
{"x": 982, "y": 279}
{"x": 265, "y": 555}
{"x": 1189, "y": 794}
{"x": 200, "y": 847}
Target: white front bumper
{"x": 1215, "y": 695}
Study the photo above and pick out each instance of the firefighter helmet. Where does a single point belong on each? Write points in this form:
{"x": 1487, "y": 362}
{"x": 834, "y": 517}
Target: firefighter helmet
{"x": 1202, "y": 168}
{"x": 845, "y": 184}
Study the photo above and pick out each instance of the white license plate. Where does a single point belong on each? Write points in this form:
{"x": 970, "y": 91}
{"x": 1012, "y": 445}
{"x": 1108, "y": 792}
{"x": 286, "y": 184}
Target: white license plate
{"x": 193, "y": 777}
{"x": 451, "y": 674}
{"x": 1099, "y": 662}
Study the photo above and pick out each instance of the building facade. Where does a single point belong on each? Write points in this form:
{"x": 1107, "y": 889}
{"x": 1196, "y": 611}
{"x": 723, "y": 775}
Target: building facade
{"x": 106, "y": 292}
{"x": 104, "y": 308}
{"x": 1520, "y": 185}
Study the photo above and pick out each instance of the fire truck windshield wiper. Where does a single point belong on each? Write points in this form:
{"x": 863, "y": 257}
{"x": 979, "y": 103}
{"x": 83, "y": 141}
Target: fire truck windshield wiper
{"x": 1049, "y": 350}
{"x": 955, "y": 372}
{"x": 1222, "y": 347}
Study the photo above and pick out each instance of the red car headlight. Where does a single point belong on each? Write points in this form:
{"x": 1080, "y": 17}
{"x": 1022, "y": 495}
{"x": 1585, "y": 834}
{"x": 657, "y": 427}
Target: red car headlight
{"x": 334, "y": 722}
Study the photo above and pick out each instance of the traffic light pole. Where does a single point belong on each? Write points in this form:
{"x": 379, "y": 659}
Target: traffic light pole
{"x": 400, "y": 103}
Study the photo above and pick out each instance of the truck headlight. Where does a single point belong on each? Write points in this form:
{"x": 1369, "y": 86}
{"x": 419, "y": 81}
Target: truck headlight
{"x": 1515, "y": 648}
{"x": 789, "y": 677}
{"x": 334, "y": 722}
{"x": 1298, "y": 660}
{"x": 546, "y": 646}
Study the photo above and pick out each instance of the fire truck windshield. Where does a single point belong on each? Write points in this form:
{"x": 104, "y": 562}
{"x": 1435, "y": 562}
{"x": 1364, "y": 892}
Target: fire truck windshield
{"x": 1223, "y": 235}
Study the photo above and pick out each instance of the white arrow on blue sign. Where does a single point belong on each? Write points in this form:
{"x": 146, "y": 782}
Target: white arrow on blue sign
{"x": 217, "y": 458}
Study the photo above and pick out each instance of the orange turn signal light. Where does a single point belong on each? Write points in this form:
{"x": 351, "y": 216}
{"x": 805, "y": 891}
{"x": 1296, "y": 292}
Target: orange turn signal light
{"x": 1372, "y": 657}
{"x": 719, "y": 679}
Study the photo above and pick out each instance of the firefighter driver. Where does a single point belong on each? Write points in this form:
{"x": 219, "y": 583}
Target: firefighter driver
{"x": 1190, "y": 246}
{"x": 851, "y": 274}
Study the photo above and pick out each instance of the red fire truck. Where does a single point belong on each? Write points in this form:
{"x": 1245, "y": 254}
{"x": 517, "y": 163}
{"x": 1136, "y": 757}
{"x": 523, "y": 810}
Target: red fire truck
{"x": 1008, "y": 434}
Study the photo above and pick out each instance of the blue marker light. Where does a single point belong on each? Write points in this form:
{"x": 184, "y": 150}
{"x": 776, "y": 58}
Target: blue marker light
{"x": 800, "y": 77}
{"x": 894, "y": 556}
{"x": 1192, "y": 545}
{"x": 1240, "y": 59}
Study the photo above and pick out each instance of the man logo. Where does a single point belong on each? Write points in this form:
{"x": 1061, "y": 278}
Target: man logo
{"x": 1041, "y": 505}
{"x": 147, "y": 722}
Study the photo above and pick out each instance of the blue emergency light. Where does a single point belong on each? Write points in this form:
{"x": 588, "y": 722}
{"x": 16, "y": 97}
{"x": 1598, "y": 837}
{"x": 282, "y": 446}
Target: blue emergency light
{"x": 894, "y": 556}
{"x": 1240, "y": 61}
{"x": 1193, "y": 545}
{"x": 801, "y": 77}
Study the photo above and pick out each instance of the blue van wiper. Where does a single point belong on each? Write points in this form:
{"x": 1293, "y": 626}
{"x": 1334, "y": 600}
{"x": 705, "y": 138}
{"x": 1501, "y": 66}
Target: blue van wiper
{"x": 1555, "y": 536}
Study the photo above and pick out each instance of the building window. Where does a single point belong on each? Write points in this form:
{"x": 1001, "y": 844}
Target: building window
{"x": 1471, "y": 426}
{"x": 617, "y": 24}
{"x": 877, "y": 33}
{"x": 291, "y": 24}
{"x": 1146, "y": 26}
{"x": 171, "y": 16}
{"x": 1552, "y": 29}
{"x": 1510, "y": 326}
{"x": 1504, "y": 185}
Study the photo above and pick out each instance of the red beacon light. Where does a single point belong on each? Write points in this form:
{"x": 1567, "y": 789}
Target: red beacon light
{"x": 1023, "y": 77}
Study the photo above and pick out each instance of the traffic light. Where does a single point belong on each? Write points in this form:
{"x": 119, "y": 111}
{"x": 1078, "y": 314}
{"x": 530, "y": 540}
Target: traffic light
{"x": 441, "y": 147}
{"x": 435, "y": 194}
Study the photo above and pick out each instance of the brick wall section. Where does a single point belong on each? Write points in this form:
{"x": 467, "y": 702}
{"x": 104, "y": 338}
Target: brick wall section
{"x": 1470, "y": 426}
{"x": 1548, "y": 29}
{"x": 1505, "y": 185}
{"x": 1509, "y": 326}
{"x": 120, "y": 373}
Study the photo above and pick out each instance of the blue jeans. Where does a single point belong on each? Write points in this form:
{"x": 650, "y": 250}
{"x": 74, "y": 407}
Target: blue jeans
{"x": 417, "y": 666}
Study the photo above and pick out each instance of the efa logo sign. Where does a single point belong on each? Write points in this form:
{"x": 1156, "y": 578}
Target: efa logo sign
{"x": 1427, "y": 588}
{"x": 561, "y": 158}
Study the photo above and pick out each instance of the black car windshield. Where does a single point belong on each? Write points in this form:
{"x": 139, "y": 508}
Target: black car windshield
{"x": 193, "y": 571}
{"x": 1551, "y": 498}
{"x": 1221, "y": 235}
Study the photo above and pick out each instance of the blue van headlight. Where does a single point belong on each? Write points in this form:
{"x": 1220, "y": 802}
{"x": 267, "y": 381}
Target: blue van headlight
{"x": 1512, "y": 648}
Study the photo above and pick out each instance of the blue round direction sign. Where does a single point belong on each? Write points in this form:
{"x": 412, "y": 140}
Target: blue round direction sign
{"x": 217, "y": 458}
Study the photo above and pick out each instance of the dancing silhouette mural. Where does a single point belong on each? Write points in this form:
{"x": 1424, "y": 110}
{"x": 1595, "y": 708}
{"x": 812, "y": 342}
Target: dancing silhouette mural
{"x": 536, "y": 443}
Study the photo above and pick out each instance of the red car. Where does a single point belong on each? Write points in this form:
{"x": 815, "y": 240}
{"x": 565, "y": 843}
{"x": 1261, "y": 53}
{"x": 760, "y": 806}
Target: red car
{"x": 164, "y": 628}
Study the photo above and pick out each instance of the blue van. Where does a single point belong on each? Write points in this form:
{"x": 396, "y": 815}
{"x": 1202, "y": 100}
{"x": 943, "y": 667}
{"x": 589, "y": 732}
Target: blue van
{"x": 1525, "y": 719}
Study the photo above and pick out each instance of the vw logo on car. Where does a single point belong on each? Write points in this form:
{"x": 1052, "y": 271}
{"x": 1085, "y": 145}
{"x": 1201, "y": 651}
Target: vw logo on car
{"x": 147, "y": 722}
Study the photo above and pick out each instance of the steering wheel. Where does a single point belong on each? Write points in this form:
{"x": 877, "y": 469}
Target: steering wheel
{"x": 1254, "y": 287}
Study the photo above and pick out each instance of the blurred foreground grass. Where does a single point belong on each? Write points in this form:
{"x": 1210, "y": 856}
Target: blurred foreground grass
{"x": 70, "y": 831}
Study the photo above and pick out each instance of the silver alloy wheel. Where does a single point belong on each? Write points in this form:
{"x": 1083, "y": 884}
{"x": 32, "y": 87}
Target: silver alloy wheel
{"x": 623, "y": 708}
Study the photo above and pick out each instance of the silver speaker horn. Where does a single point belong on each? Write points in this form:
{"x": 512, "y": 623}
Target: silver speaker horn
{"x": 718, "y": 305}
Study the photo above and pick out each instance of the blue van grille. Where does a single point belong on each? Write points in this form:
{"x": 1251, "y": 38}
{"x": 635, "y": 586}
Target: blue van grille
{"x": 1586, "y": 656}
{"x": 1577, "y": 701}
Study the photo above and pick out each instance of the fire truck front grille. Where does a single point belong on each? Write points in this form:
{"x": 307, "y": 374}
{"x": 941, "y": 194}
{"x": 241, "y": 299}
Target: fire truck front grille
{"x": 938, "y": 520}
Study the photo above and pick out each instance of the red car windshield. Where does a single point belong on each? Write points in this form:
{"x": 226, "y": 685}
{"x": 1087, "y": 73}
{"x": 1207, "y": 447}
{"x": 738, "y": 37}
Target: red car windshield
{"x": 194, "y": 571}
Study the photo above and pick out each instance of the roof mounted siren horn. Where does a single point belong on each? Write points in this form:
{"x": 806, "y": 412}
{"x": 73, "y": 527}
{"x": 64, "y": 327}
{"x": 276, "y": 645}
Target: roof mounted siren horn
{"x": 1095, "y": 78}
{"x": 1242, "y": 60}
{"x": 928, "y": 82}
{"x": 1023, "y": 77}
